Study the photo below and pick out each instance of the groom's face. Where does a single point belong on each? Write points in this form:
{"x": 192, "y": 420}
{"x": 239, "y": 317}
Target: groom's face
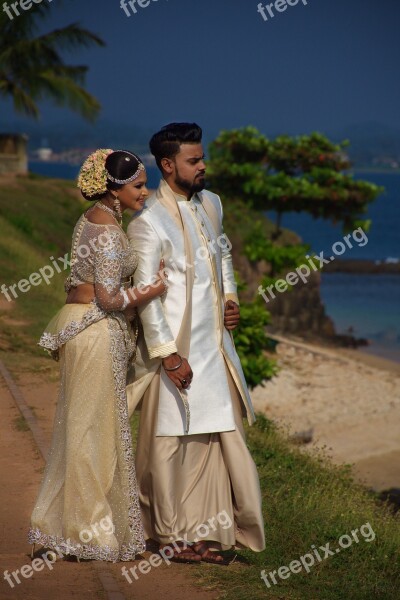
{"x": 189, "y": 168}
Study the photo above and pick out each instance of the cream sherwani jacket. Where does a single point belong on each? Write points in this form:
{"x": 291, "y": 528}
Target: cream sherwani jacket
{"x": 163, "y": 229}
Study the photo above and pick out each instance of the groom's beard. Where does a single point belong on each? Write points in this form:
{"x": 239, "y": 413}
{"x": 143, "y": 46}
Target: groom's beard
{"x": 190, "y": 187}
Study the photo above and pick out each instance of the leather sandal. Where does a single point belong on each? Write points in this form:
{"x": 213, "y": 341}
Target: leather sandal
{"x": 185, "y": 554}
{"x": 209, "y": 556}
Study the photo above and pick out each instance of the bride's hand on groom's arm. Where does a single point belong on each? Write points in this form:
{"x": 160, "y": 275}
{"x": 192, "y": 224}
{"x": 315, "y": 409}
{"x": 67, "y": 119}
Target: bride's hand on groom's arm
{"x": 130, "y": 313}
{"x": 145, "y": 293}
{"x": 180, "y": 376}
{"x": 162, "y": 279}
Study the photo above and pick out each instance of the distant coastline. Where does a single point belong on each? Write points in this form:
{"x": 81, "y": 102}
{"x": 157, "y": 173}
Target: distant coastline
{"x": 43, "y": 164}
{"x": 374, "y": 170}
{"x": 58, "y": 170}
{"x": 361, "y": 266}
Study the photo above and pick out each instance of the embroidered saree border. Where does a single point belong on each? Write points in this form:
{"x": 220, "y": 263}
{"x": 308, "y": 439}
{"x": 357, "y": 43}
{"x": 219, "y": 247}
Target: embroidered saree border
{"x": 122, "y": 349}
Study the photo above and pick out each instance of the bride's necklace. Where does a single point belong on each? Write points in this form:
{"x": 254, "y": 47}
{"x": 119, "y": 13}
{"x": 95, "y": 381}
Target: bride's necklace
{"x": 110, "y": 211}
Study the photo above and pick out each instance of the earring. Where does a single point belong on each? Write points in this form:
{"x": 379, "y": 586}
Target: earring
{"x": 117, "y": 207}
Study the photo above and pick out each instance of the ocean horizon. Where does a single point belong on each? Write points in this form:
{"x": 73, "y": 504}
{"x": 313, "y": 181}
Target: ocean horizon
{"x": 67, "y": 171}
{"x": 365, "y": 305}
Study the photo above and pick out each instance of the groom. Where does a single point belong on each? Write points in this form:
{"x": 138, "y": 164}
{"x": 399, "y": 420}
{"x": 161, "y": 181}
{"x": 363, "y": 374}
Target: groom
{"x": 192, "y": 462}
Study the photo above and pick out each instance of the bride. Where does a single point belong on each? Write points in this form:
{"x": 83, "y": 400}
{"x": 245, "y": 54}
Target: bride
{"x": 88, "y": 502}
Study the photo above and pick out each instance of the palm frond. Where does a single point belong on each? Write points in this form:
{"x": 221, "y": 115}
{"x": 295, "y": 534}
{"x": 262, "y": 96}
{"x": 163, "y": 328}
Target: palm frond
{"x": 70, "y": 37}
{"x": 25, "y": 24}
{"x": 32, "y": 68}
{"x": 22, "y": 101}
{"x": 64, "y": 90}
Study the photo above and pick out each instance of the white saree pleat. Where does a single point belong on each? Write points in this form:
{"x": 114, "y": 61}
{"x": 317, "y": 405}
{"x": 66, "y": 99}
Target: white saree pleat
{"x": 88, "y": 502}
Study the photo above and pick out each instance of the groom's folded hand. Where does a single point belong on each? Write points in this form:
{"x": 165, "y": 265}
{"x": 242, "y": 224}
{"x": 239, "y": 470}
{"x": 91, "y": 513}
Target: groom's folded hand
{"x": 231, "y": 315}
{"x": 181, "y": 376}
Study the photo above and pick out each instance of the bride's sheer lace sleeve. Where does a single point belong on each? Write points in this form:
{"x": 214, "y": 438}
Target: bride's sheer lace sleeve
{"x": 108, "y": 265}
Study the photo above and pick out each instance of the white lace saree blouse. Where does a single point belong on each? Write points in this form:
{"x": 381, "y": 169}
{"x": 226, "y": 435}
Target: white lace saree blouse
{"x": 101, "y": 255}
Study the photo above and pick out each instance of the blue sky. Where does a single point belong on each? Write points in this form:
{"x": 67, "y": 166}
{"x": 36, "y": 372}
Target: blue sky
{"x": 321, "y": 66}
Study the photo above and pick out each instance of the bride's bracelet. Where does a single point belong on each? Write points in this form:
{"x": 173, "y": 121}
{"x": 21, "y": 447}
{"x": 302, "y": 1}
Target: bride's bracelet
{"x": 174, "y": 368}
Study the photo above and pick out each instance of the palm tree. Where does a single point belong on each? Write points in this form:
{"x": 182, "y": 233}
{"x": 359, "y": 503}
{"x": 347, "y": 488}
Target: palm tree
{"x": 31, "y": 68}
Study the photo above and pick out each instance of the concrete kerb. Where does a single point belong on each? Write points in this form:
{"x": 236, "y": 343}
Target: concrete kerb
{"x": 25, "y": 411}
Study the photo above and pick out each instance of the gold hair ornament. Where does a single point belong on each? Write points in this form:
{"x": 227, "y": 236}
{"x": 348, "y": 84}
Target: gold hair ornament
{"x": 92, "y": 178}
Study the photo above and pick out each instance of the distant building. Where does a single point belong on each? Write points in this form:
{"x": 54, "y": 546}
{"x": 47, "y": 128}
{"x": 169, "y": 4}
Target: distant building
{"x": 44, "y": 154}
{"x": 13, "y": 154}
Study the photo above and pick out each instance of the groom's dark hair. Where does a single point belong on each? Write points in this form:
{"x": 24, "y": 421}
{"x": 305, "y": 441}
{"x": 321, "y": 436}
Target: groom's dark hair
{"x": 166, "y": 142}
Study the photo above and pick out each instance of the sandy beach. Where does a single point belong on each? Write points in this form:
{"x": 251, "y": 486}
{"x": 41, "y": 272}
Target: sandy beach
{"x": 346, "y": 400}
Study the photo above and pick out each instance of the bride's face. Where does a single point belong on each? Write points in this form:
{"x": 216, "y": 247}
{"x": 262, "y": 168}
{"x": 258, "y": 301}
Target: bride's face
{"x": 133, "y": 195}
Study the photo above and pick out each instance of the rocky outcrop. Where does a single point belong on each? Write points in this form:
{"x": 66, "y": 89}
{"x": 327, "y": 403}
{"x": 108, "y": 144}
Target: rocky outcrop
{"x": 295, "y": 311}
{"x": 300, "y": 310}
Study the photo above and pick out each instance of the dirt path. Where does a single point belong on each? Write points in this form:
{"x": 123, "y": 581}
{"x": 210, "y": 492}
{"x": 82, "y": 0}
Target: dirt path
{"x": 347, "y": 400}
{"x": 21, "y": 467}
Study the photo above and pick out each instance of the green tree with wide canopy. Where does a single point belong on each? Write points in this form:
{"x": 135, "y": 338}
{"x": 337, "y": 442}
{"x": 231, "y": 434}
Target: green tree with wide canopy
{"x": 308, "y": 173}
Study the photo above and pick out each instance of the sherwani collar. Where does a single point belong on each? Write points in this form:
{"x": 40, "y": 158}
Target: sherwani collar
{"x": 171, "y": 201}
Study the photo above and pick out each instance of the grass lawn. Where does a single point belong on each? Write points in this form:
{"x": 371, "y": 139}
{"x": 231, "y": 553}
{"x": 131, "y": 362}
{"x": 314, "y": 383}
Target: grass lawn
{"x": 307, "y": 504}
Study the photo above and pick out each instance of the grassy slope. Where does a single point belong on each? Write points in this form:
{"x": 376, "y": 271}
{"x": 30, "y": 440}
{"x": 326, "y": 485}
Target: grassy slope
{"x": 306, "y": 501}
{"x": 36, "y": 220}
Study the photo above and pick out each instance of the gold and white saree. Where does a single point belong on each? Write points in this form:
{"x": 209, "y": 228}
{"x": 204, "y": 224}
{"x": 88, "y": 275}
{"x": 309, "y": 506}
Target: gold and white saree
{"x": 88, "y": 503}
